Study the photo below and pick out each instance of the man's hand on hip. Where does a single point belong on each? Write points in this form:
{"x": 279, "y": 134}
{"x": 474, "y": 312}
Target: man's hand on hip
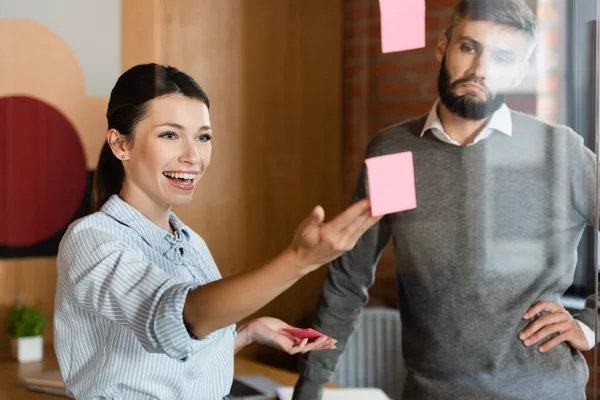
{"x": 558, "y": 321}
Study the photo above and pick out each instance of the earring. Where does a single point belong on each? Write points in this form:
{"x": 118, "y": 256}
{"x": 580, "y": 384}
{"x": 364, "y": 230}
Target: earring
{"x": 122, "y": 156}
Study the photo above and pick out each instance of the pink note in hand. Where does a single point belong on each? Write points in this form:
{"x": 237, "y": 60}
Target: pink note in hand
{"x": 391, "y": 183}
{"x": 309, "y": 333}
{"x": 402, "y": 25}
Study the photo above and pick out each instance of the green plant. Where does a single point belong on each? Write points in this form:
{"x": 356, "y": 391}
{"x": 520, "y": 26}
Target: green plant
{"x": 25, "y": 321}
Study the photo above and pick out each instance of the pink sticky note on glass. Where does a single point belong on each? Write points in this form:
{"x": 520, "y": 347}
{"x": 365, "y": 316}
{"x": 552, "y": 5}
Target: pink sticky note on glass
{"x": 309, "y": 333}
{"x": 391, "y": 183}
{"x": 402, "y": 25}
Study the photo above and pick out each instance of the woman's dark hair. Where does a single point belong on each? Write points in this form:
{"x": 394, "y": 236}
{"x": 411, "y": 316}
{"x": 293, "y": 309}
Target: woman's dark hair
{"x": 126, "y": 108}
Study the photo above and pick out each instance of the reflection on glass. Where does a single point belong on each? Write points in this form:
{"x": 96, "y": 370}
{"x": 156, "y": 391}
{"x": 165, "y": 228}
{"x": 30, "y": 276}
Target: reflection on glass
{"x": 496, "y": 262}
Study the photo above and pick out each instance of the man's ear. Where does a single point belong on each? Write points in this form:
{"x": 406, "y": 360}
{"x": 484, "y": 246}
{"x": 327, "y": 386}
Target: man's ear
{"x": 440, "y": 47}
{"x": 524, "y": 67}
{"x": 117, "y": 144}
{"x": 521, "y": 74}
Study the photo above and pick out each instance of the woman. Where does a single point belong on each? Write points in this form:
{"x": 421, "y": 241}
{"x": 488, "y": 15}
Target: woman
{"x": 141, "y": 310}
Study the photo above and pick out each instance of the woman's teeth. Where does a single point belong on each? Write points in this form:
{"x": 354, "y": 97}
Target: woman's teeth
{"x": 188, "y": 177}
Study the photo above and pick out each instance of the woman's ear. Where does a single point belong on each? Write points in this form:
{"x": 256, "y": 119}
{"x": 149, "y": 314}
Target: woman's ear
{"x": 117, "y": 143}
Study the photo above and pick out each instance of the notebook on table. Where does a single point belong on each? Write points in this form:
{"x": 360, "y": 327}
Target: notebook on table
{"x": 47, "y": 382}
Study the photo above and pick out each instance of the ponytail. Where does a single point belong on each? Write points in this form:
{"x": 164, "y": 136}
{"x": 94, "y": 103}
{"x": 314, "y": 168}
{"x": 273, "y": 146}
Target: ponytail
{"x": 108, "y": 178}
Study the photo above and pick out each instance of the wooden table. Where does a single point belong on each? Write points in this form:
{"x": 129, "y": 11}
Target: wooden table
{"x": 11, "y": 373}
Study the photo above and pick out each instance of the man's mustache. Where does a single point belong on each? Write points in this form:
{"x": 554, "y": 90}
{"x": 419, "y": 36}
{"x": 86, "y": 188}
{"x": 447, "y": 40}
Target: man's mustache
{"x": 471, "y": 80}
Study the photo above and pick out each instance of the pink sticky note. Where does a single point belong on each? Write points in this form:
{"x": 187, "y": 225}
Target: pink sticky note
{"x": 391, "y": 183}
{"x": 402, "y": 25}
{"x": 309, "y": 333}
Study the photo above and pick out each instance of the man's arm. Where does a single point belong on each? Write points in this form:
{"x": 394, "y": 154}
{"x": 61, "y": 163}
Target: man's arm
{"x": 584, "y": 196}
{"x": 342, "y": 299}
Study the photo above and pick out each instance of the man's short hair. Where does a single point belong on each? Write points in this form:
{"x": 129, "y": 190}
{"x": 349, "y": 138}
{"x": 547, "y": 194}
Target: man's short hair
{"x": 514, "y": 14}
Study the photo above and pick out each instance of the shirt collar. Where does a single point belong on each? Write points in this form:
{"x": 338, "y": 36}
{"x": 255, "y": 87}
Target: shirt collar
{"x": 155, "y": 236}
{"x": 500, "y": 120}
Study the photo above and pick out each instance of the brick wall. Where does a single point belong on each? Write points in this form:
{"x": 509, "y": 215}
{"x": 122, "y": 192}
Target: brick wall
{"x": 382, "y": 89}
{"x": 550, "y": 53}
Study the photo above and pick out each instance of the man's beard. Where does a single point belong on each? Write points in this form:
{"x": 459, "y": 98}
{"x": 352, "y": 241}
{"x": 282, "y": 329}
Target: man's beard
{"x": 466, "y": 106}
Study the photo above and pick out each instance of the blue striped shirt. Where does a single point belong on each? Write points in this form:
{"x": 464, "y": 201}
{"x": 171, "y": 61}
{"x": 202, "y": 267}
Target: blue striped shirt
{"x": 118, "y": 325}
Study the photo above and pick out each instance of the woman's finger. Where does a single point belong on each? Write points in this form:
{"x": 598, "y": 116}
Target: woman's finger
{"x": 298, "y": 348}
{"x": 284, "y": 343}
{"x": 316, "y": 344}
{"x": 365, "y": 226}
{"x": 355, "y": 225}
{"x": 348, "y": 216}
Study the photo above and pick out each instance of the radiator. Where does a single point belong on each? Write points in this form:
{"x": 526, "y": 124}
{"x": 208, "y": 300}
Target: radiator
{"x": 373, "y": 354}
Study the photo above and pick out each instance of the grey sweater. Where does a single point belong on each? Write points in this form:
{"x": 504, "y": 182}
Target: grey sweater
{"x": 495, "y": 230}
